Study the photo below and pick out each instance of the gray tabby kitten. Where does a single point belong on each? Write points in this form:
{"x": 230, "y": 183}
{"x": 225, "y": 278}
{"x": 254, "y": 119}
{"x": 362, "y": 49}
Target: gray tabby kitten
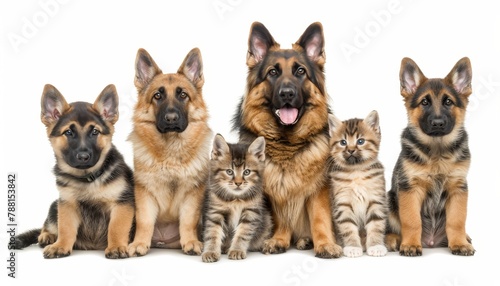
{"x": 359, "y": 197}
{"x": 236, "y": 217}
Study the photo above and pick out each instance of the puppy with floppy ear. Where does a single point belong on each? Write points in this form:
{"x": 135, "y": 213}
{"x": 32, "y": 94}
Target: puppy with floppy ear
{"x": 428, "y": 198}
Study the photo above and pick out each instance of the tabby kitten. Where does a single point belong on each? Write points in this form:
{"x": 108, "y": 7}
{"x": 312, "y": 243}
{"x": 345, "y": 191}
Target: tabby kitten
{"x": 236, "y": 217}
{"x": 357, "y": 178}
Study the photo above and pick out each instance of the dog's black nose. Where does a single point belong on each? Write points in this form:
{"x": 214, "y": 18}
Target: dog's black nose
{"x": 83, "y": 156}
{"x": 171, "y": 117}
{"x": 438, "y": 123}
{"x": 287, "y": 92}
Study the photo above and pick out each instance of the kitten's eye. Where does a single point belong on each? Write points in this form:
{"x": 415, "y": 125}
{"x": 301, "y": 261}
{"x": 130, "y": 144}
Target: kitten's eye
{"x": 95, "y": 131}
{"x": 68, "y": 133}
{"x": 272, "y": 72}
{"x": 360, "y": 141}
{"x": 425, "y": 102}
{"x": 157, "y": 95}
{"x": 229, "y": 172}
{"x": 343, "y": 143}
{"x": 246, "y": 172}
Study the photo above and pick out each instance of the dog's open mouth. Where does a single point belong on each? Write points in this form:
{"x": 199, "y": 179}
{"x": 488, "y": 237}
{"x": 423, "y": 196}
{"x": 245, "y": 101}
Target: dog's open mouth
{"x": 287, "y": 115}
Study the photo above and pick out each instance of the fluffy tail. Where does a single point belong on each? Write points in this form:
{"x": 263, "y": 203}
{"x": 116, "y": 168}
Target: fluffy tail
{"x": 25, "y": 239}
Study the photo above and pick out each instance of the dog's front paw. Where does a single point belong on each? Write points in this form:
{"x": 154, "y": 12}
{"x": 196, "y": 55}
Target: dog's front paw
{"x": 464, "y": 250}
{"x": 46, "y": 238}
{"x": 114, "y": 252}
{"x": 237, "y": 254}
{"x": 410, "y": 250}
{"x": 353, "y": 251}
{"x": 56, "y": 250}
{"x": 392, "y": 241}
{"x": 192, "y": 247}
{"x": 328, "y": 250}
{"x": 275, "y": 246}
{"x": 377, "y": 250}
{"x": 137, "y": 249}
{"x": 210, "y": 256}
{"x": 304, "y": 243}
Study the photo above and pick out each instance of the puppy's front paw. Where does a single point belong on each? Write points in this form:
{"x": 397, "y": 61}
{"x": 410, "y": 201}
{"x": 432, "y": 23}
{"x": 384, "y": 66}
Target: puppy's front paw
{"x": 304, "y": 243}
{"x": 114, "y": 252}
{"x": 46, "y": 238}
{"x": 56, "y": 250}
{"x": 210, "y": 256}
{"x": 137, "y": 249}
{"x": 464, "y": 250}
{"x": 237, "y": 254}
{"x": 328, "y": 250}
{"x": 410, "y": 250}
{"x": 192, "y": 247}
{"x": 275, "y": 246}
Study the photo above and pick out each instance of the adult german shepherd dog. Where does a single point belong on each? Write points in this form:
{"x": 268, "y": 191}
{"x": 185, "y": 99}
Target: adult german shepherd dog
{"x": 95, "y": 209}
{"x": 286, "y": 103}
{"x": 171, "y": 142}
{"x": 428, "y": 197}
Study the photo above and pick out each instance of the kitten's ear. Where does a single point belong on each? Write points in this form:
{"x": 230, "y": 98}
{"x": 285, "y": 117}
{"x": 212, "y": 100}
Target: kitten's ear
{"x": 333, "y": 124}
{"x": 220, "y": 147}
{"x": 258, "y": 148}
{"x": 410, "y": 77}
{"x": 107, "y": 104}
{"x": 145, "y": 69}
{"x": 372, "y": 120}
{"x": 53, "y": 105}
{"x": 460, "y": 77}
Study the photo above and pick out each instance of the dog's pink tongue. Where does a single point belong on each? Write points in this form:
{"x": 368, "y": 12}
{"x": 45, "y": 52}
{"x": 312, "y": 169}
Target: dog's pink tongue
{"x": 288, "y": 115}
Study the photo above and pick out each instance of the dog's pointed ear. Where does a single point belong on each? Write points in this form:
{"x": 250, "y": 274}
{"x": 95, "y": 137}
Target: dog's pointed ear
{"x": 333, "y": 124}
{"x": 258, "y": 148}
{"x": 220, "y": 147}
{"x": 410, "y": 77}
{"x": 192, "y": 67}
{"x": 313, "y": 42}
{"x": 145, "y": 69}
{"x": 259, "y": 43}
{"x": 53, "y": 105}
{"x": 460, "y": 77}
{"x": 107, "y": 104}
{"x": 372, "y": 120}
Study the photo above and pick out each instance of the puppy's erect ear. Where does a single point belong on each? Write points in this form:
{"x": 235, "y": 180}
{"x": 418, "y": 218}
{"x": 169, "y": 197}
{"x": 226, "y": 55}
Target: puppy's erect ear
{"x": 333, "y": 124}
{"x": 460, "y": 77}
{"x": 220, "y": 147}
{"x": 259, "y": 43}
{"x": 313, "y": 42}
{"x": 192, "y": 68}
{"x": 145, "y": 69}
{"x": 372, "y": 121}
{"x": 53, "y": 105}
{"x": 410, "y": 77}
{"x": 258, "y": 148}
{"x": 107, "y": 104}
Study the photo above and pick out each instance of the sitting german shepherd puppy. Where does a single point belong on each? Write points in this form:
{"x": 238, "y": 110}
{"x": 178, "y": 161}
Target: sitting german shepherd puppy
{"x": 95, "y": 209}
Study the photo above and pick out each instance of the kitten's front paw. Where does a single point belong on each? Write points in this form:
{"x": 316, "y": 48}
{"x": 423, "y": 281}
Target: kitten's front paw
{"x": 114, "y": 252}
{"x": 377, "y": 250}
{"x": 410, "y": 250}
{"x": 56, "y": 250}
{"x": 329, "y": 250}
{"x": 236, "y": 254}
{"x": 464, "y": 250}
{"x": 353, "y": 251}
{"x": 275, "y": 246}
{"x": 192, "y": 247}
{"x": 210, "y": 256}
{"x": 137, "y": 249}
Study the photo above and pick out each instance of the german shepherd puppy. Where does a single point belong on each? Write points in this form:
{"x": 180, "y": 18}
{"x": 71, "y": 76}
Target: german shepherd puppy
{"x": 286, "y": 103}
{"x": 171, "y": 142}
{"x": 95, "y": 209}
{"x": 428, "y": 197}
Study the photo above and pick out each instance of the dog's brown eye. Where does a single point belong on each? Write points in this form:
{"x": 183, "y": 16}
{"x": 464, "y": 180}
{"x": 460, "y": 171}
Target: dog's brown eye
{"x": 183, "y": 95}
{"x": 157, "y": 96}
{"x": 272, "y": 72}
{"x": 95, "y": 131}
{"x": 301, "y": 71}
{"x": 448, "y": 102}
{"x": 425, "y": 101}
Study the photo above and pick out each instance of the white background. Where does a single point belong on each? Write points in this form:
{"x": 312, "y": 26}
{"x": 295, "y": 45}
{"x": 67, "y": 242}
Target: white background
{"x": 81, "y": 46}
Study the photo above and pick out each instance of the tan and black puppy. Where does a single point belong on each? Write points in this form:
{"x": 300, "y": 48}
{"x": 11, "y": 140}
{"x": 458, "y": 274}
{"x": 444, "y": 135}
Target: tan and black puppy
{"x": 171, "y": 142}
{"x": 428, "y": 198}
{"x": 286, "y": 103}
{"x": 95, "y": 209}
